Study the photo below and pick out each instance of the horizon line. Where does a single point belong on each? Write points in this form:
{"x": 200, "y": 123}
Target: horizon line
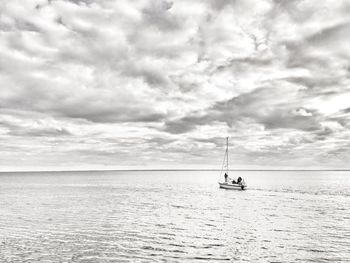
{"x": 183, "y": 170}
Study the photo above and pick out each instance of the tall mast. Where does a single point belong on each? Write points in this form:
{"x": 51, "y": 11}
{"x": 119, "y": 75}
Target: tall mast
{"x": 227, "y": 155}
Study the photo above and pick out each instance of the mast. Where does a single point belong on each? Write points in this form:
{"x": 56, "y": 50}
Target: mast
{"x": 227, "y": 155}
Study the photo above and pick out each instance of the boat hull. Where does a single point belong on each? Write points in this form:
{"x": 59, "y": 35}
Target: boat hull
{"x": 232, "y": 186}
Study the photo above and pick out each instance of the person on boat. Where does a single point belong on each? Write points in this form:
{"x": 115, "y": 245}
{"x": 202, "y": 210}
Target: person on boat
{"x": 226, "y": 177}
{"x": 233, "y": 181}
{"x": 239, "y": 180}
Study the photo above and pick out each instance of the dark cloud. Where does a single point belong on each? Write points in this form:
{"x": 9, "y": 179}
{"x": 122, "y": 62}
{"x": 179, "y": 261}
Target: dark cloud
{"x": 186, "y": 124}
{"x": 46, "y": 132}
{"x": 81, "y": 1}
{"x": 328, "y": 35}
{"x": 26, "y": 26}
{"x": 260, "y": 106}
{"x": 319, "y": 83}
{"x": 33, "y": 129}
{"x": 113, "y": 115}
{"x": 324, "y": 133}
{"x": 158, "y": 14}
{"x": 241, "y": 65}
{"x": 160, "y": 141}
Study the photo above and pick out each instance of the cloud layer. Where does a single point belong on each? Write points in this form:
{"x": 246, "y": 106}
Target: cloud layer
{"x": 159, "y": 84}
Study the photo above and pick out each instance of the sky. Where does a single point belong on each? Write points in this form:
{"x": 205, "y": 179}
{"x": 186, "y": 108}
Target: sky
{"x": 153, "y": 84}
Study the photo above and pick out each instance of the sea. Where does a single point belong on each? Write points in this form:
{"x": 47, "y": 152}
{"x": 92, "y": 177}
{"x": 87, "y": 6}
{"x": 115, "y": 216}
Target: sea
{"x": 174, "y": 216}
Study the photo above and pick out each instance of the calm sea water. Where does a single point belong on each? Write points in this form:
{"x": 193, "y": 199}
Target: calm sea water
{"x": 174, "y": 217}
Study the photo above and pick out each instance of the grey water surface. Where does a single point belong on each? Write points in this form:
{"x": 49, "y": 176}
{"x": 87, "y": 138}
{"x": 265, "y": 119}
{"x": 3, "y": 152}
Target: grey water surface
{"x": 174, "y": 216}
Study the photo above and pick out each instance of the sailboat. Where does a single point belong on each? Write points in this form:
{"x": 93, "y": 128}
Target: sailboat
{"x": 229, "y": 183}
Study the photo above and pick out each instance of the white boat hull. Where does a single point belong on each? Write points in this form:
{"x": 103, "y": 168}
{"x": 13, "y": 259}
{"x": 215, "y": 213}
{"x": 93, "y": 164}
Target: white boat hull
{"x": 232, "y": 186}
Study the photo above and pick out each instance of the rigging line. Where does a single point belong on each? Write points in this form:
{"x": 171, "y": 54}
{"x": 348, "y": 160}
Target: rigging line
{"x": 227, "y": 155}
{"x": 222, "y": 166}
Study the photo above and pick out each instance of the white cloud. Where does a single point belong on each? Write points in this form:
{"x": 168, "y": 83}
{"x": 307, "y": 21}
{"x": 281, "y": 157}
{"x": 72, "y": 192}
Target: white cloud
{"x": 98, "y": 81}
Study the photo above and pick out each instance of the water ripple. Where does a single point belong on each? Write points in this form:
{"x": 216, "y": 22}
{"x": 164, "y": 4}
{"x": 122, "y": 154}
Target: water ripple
{"x": 112, "y": 218}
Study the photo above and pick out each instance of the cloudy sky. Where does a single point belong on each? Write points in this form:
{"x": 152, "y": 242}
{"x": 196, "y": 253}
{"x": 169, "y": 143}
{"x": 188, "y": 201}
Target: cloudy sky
{"x": 94, "y": 84}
